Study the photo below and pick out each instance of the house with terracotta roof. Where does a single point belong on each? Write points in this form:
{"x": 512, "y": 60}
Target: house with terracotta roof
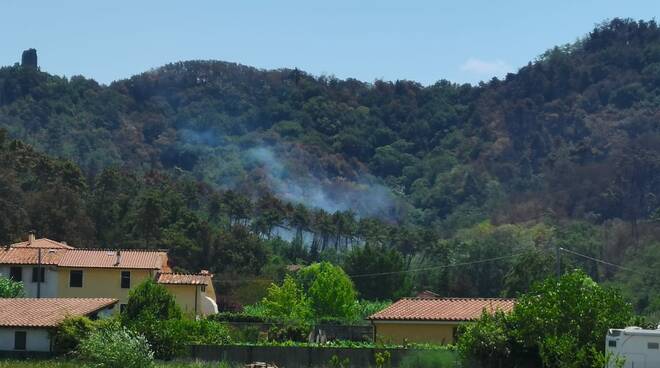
{"x": 26, "y": 324}
{"x": 50, "y": 269}
{"x": 430, "y": 319}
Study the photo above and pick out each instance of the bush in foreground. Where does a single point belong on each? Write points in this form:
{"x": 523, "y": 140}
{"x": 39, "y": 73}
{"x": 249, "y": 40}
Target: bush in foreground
{"x": 71, "y": 332}
{"x": 150, "y": 300}
{"x": 169, "y": 338}
{"x": 116, "y": 347}
{"x": 558, "y": 324}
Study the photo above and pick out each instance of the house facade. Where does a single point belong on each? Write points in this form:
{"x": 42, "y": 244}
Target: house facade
{"x": 431, "y": 319}
{"x": 50, "y": 269}
{"x": 26, "y": 324}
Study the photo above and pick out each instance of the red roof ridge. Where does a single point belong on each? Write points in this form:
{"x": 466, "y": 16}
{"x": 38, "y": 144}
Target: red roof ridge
{"x": 185, "y": 273}
{"x": 121, "y": 249}
{"x": 66, "y": 299}
{"x": 29, "y": 244}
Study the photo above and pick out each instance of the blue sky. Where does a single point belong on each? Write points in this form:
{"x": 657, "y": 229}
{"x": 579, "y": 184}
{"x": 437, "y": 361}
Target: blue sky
{"x": 462, "y": 41}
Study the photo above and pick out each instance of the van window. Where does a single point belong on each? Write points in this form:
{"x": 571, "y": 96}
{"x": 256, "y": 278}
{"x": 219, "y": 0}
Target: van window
{"x": 653, "y": 345}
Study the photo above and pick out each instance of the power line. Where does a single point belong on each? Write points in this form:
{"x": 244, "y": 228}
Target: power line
{"x": 438, "y": 267}
{"x": 461, "y": 264}
{"x": 602, "y": 261}
{"x": 486, "y": 260}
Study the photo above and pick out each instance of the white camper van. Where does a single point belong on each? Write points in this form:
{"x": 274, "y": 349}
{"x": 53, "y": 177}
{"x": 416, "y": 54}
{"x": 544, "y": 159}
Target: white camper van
{"x": 639, "y": 348}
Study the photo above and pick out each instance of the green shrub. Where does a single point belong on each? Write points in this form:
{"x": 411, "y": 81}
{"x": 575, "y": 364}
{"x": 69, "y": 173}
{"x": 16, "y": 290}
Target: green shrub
{"x": 150, "y": 300}
{"x": 287, "y": 302}
{"x": 71, "y": 332}
{"x": 165, "y": 337}
{"x": 288, "y": 333}
{"x": 238, "y": 317}
{"x": 256, "y": 310}
{"x": 209, "y": 333}
{"x": 428, "y": 359}
{"x": 365, "y": 308}
{"x": 558, "y": 324}
{"x": 330, "y": 291}
{"x": 116, "y": 347}
{"x": 10, "y": 288}
{"x": 486, "y": 340}
{"x": 170, "y": 338}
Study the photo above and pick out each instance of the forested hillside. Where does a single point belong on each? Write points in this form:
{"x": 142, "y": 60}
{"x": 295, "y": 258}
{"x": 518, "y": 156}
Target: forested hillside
{"x": 243, "y": 171}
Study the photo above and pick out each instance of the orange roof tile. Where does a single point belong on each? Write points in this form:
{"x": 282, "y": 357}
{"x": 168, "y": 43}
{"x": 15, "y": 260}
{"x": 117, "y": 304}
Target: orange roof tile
{"x": 30, "y": 256}
{"x": 442, "y": 309}
{"x": 47, "y": 312}
{"x": 42, "y": 243}
{"x": 97, "y": 258}
{"x": 185, "y": 278}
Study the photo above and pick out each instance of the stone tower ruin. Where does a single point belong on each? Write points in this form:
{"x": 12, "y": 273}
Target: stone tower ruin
{"x": 29, "y": 59}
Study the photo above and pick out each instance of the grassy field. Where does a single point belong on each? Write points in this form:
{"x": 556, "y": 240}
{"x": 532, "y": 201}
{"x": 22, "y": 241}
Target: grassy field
{"x": 57, "y": 363}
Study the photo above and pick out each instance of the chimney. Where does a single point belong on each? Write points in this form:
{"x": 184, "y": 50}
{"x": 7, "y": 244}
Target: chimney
{"x": 31, "y": 237}
{"x": 118, "y": 258}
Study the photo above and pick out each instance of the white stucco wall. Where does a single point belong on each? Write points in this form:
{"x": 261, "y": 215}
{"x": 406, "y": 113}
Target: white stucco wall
{"x": 37, "y": 339}
{"x": 48, "y": 288}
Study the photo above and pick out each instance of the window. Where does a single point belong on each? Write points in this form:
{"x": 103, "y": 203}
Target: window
{"x": 125, "y": 279}
{"x": 16, "y": 273}
{"x": 203, "y": 288}
{"x": 38, "y": 276}
{"x": 122, "y": 308}
{"x": 75, "y": 278}
{"x": 611, "y": 343}
{"x": 653, "y": 345}
{"x": 20, "y": 338}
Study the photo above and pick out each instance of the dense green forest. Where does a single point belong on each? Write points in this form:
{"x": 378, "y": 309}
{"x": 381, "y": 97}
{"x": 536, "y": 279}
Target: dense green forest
{"x": 243, "y": 171}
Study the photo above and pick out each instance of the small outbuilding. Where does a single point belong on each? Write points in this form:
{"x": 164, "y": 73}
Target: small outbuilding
{"x": 26, "y": 323}
{"x": 431, "y": 319}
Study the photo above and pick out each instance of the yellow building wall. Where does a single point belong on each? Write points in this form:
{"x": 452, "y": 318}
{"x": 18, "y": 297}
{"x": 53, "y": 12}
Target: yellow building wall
{"x": 106, "y": 283}
{"x": 100, "y": 283}
{"x": 415, "y": 332}
{"x": 185, "y": 297}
